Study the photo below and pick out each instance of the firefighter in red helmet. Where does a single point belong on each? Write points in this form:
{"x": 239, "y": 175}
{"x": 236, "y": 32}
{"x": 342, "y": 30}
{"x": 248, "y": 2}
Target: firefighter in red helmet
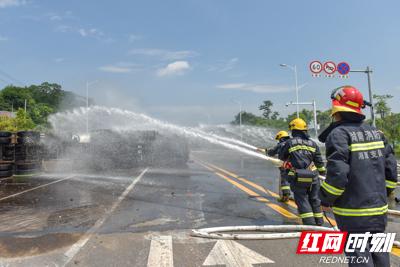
{"x": 361, "y": 171}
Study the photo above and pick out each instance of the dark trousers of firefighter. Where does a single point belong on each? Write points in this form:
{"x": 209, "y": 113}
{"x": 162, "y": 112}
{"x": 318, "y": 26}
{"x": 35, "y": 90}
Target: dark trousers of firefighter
{"x": 308, "y": 203}
{"x": 284, "y": 185}
{"x": 374, "y": 259}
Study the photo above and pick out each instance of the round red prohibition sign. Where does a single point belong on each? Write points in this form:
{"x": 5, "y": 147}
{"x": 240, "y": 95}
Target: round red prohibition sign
{"x": 315, "y": 67}
{"x": 343, "y": 68}
{"x": 329, "y": 67}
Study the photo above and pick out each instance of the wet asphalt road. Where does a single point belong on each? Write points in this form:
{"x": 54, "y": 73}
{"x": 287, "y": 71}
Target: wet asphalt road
{"x": 131, "y": 218}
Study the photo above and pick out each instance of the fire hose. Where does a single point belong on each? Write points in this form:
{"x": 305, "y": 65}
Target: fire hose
{"x": 278, "y": 231}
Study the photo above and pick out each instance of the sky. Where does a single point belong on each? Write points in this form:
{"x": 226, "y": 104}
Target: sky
{"x": 196, "y": 61}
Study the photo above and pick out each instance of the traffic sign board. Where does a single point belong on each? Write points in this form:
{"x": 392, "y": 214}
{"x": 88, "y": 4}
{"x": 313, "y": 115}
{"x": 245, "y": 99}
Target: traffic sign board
{"x": 329, "y": 67}
{"x": 343, "y": 68}
{"x": 315, "y": 67}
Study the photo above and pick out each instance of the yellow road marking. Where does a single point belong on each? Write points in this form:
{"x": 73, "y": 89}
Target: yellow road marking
{"x": 267, "y": 191}
{"x": 256, "y": 186}
{"x": 395, "y": 251}
{"x": 259, "y": 187}
{"x": 241, "y": 187}
{"x": 283, "y": 211}
{"x": 250, "y": 192}
{"x": 223, "y": 170}
{"x": 262, "y": 189}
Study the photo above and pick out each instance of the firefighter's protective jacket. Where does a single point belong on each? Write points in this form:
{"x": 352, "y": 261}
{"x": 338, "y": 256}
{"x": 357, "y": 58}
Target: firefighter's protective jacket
{"x": 361, "y": 169}
{"x": 277, "y": 149}
{"x": 301, "y": 152}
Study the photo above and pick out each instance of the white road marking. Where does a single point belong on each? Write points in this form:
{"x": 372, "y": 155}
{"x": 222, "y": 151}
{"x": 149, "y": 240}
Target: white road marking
{"x": 233, "y": 254}
{"x": 160, "y": 254}
{"x": 75, "y": 248}
{"x": 37, "y": 187}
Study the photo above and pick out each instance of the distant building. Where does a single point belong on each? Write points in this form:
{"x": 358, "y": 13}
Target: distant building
{"x": 7, "y": 114}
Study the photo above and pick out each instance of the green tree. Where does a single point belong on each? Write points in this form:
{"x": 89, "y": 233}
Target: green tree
{"x": 39, "y": 113}
{"x": 7, "y": 124}
{"x": 23, "y": 121}
{"x": 275, "y": 115}
{"x": 248, "y": 118}
{"x": 306, "y": 115}
{"x": 15, "y": 96}
{"x": 266, "y": 107}
{"x": 381, "y": 106}
{"x": 47, "y": 93}
{"x": 42, "y": 100}
{"x": 324, "y": 119}
{"x": 390, "y": 125}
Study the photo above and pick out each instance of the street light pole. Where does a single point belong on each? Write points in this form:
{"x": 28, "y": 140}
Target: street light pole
{"x": 87, "y": 108}
{"x": 297, "y": 90}
{"x": 240, "y": 118}
{"x": 87, "y": 105}
{"x": 368, "y": 71}
{"x": 371, "y": 98}
{"x": 294, "y": 69}
{"x": 315, "y": 118}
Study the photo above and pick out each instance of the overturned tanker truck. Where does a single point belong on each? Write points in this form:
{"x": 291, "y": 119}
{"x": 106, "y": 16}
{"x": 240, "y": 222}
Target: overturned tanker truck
{"x": 20, "y": 154}
{"x": 107, "y": 149}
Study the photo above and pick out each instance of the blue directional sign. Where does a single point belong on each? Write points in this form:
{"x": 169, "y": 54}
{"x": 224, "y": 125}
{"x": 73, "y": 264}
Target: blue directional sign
{"x": 343, "y": 68}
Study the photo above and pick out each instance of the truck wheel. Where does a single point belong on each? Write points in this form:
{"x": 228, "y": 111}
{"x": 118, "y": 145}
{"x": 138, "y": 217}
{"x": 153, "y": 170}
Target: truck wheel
{"x": 27, "y": 166}
{"x": 5, "y": 134}
{"x": 6, "y": 167}
{"x": 5, "y": 140}
{"x": 6, "y": 173}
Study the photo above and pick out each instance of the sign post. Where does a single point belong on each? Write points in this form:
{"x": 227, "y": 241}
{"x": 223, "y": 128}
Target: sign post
{"x": 343, "y": 68}
{"x": 368, "y": 71}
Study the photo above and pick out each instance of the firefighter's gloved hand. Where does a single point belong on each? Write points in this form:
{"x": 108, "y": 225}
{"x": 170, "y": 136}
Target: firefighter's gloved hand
{"x": 322, "y": 170}
{"x": 326, "y": 209}
{"x": 284, "y": 198}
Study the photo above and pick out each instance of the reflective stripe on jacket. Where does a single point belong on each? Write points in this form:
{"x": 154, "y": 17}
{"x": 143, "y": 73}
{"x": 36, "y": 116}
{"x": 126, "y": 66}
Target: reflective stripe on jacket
{"x": 361, "y": 169}
{"x": 301, "y": 153}
{"x": 276, "y": 150}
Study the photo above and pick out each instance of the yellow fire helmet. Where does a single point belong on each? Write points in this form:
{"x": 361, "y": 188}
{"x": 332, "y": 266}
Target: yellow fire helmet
{"x": 281, "y": 134}
{"x": 298, "y": 124}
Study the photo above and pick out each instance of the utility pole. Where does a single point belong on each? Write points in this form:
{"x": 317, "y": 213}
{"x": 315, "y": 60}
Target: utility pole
{"x": 240, "y": 119}
{"x": 297, "y": 90}
{"x": 314, "y": 104}
{"x": 368, "y": 71}
{"x": 87, "y": 105}
{"x": 294, "y": 68}
{"x": 25, "y": 109}
{"x": 315, "y": 118}
{"x": 87, "y": 108}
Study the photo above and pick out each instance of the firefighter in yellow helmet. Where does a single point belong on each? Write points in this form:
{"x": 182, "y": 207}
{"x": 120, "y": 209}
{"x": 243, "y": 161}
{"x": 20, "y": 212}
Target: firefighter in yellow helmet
{"x": 303, "y": 157}
{"x": 284, "y": 187}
